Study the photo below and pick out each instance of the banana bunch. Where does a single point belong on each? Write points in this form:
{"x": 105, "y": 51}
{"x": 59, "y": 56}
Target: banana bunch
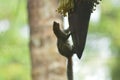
{"x": 65, "y": 6}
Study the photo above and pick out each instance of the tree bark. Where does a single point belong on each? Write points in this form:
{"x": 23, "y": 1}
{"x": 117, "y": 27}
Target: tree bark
{"x": 46, "y": 63}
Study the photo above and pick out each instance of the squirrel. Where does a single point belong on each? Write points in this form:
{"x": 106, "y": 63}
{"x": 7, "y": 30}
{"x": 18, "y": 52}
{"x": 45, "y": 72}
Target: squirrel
{"x": 63, "y": 44}
{"x": 64, "y": 47}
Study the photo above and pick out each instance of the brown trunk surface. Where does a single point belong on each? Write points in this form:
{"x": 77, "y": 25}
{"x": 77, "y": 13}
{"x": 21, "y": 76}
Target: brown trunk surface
{"x": 46, "y": 63}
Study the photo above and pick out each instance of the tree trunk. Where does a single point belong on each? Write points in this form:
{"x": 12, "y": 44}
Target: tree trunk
{"x": 46, "y": 63}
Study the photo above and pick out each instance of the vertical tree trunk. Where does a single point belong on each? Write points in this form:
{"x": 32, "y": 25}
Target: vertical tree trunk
{"x": 46, "y": 63}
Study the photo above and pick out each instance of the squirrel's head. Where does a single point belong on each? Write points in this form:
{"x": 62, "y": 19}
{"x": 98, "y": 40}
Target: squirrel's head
{"x": 56, "y": 28}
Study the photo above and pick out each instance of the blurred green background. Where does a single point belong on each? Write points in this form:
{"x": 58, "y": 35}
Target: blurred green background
{"x": 103, "y": 30}
{"x": 14, "y": 51}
